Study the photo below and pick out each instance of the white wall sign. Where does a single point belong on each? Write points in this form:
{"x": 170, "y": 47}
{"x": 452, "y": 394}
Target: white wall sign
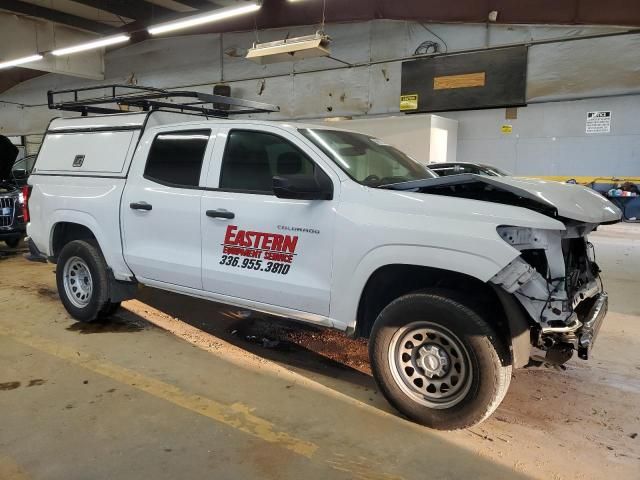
{"x": 598, "y": 122}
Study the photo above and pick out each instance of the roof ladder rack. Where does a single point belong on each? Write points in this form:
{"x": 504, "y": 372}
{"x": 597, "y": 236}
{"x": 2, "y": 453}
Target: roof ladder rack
{"x": 116, "y": 96}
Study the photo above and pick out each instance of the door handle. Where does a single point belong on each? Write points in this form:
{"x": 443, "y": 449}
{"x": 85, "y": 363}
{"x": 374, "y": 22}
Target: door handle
{"x": 140, "y": 206}
{"x": 220, "y": 214}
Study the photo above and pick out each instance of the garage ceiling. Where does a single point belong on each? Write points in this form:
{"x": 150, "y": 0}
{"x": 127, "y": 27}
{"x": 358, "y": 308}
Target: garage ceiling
{"x": 107, "y": 16}
{"x": 110, "y": 16}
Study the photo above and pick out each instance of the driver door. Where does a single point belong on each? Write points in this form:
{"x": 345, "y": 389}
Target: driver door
{"x": 256, "y": 246}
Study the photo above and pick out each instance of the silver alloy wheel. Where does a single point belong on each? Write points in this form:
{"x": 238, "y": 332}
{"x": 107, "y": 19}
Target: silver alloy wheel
{"x": 78, "y": 284}
{"x": 430, "y": 364}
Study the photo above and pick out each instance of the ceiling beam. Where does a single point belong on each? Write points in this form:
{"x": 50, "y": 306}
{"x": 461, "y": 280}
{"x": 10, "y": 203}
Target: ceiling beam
{"x": 135, "y": 9}
{"x": 56, "y": 16}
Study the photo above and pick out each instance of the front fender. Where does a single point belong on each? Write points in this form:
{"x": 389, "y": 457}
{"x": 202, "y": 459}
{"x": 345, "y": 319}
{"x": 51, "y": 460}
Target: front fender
{"x": 347, "y": 297}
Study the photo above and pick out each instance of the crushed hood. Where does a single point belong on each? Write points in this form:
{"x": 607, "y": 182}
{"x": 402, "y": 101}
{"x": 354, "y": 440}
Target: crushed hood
{"x": 555, "y": 199}
{"x": 8, "y": 155}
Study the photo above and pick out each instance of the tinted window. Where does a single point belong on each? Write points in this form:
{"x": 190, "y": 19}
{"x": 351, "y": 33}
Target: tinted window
{"x": 251, "y": 160}
{"x": 25, "y": 163}
{"x": 468, "y": 169}
{"x": 454, "y": 169}
{"x": 175, "y": 158}
{"x": 444, "y": 170}
{"x": 492, "y": 171}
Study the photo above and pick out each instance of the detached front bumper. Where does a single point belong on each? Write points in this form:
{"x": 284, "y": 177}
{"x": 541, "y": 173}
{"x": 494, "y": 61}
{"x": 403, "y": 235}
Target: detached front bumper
{"x": 587, "y": 333}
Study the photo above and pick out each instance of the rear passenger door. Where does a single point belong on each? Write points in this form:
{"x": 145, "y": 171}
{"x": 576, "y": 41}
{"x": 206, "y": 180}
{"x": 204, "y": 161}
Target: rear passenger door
{"x": 160, "y": 208}
{"x": 256, "y": 246}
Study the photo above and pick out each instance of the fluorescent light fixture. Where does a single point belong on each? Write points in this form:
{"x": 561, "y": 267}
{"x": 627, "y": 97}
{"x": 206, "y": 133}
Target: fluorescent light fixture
{"x": 103, "y": 42}
{"x": 219, "y": 14}
{"x": 20, "y": 61}
{"x": 290, "y": 49}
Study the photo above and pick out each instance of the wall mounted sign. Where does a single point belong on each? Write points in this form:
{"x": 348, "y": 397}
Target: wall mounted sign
{"x": 598, "y": 122}
{"x": 408, "y": 102}
{"x": 466, "y": 80}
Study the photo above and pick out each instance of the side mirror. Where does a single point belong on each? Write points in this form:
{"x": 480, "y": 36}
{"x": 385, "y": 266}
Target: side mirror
{"x": 303, "y": 187}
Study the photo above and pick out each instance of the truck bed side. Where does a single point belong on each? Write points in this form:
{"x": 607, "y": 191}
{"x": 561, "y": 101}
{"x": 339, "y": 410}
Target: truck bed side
{"x": 78, "y": 181}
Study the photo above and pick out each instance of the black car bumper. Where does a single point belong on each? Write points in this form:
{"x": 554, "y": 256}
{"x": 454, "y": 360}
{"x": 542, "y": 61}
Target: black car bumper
{"x": 17, "y": 231}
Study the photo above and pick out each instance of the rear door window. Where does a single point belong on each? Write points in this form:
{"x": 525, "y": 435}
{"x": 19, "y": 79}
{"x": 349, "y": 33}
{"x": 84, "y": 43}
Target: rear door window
{"x": 175, "y": 158}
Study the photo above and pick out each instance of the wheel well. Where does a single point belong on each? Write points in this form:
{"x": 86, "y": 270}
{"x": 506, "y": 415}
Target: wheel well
{"x": 392, "y": 281}
{"x": 65, "y": 232}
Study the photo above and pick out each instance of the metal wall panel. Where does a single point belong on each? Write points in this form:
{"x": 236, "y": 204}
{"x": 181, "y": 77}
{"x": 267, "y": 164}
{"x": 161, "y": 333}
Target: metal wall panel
{"x": 167, "y": 62}
{"x": 550, "y": 138}
{"x": 584, "y": 68}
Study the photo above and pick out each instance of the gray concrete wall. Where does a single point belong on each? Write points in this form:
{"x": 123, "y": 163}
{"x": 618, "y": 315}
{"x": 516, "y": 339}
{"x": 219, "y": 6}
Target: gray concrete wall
{"x": 323, "y": 87}
{"x": 550, "y": 138}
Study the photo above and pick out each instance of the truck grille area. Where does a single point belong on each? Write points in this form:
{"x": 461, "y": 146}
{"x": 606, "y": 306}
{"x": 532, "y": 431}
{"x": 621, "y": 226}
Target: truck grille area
{"x": 7, "y": 207}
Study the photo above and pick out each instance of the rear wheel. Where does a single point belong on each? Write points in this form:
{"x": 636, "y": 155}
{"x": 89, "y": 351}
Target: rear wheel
{"x": 438, "y": 361}
{"x": 82, "y": 280}
{"x": 12, "y": 242}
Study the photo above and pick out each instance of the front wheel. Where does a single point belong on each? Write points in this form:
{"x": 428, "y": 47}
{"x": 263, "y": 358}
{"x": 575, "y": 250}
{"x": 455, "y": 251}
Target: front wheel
{"x": 82, "y": 280}
{"x": 438, "y": 361}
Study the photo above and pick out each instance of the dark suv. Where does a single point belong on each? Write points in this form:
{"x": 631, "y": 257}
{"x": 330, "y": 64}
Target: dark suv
{"x": 13, "y": 191}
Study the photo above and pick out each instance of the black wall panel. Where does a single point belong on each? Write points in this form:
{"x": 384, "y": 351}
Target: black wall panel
{"x": 466, "y": 81}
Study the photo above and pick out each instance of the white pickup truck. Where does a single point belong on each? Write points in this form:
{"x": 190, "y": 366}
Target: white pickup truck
{"x": 454, "y": 280}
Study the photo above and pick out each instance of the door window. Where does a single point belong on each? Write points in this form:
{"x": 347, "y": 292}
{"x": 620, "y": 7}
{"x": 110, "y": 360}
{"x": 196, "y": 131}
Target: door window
{"x": 251, "y": 159}
{"x": 175, "y": 158}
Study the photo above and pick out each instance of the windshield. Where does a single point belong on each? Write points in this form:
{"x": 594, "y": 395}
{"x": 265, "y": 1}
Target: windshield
{"x": 367, "y": 160}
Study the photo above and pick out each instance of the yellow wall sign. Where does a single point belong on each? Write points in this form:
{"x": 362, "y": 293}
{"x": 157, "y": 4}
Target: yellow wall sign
{"x": 506, "y": 128}
{"x": 459, "y": 81}
{"x": 409, "y": 102}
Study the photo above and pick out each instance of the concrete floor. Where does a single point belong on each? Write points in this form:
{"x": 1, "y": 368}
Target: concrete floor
{"x": 171, "y": 388}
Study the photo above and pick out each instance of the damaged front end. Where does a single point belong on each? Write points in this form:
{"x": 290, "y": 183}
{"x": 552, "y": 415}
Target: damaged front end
{"x": 557, "y": 281}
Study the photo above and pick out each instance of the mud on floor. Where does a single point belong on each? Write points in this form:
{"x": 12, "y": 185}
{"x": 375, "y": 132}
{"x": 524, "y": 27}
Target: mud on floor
{"x": 273, "y": 333}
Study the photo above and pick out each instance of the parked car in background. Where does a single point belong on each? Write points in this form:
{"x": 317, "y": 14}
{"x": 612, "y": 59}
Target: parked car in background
{"x": 445, "y": 169}
{"x": 13, "y": 183}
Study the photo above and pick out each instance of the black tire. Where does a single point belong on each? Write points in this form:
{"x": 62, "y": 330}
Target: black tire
{"x": 488, "y": 368}
{"x": 96, "y": 302}
{"x": 12, "y": 243}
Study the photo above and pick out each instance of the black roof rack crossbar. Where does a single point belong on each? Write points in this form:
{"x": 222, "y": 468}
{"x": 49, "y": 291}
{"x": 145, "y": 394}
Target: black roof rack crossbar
{"x": 150, "y": 98}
